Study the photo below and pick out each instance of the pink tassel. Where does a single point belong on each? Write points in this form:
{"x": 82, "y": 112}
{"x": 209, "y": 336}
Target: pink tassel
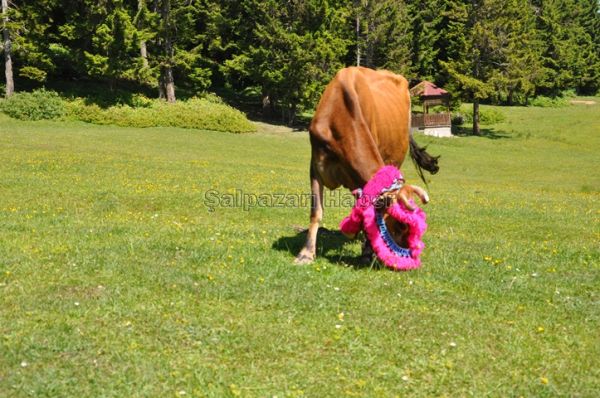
{"x": 363, "y": 215}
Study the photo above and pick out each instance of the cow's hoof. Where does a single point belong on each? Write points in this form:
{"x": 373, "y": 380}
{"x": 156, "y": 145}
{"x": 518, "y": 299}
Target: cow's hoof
{"x": 304, "y": 258}
{"x": 368, "y": 255}
{"x": 366, "y": 259}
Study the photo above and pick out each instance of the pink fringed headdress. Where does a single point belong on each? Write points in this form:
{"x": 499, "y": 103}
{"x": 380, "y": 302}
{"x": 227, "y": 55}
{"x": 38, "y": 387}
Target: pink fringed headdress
{"x": 365, "y": 216}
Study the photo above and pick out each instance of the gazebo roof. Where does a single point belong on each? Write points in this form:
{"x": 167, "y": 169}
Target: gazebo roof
{"x": 427, "y": 89}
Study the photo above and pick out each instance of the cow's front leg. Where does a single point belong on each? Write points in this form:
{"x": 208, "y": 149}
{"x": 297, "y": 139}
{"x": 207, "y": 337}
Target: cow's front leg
{"x": 308, "y": 253}
{"x": 367, "y": 253}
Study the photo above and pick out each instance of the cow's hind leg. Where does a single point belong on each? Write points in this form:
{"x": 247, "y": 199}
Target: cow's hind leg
{"x": 308, "y": 253}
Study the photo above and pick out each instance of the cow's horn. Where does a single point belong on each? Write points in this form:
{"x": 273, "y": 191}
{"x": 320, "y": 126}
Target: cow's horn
{"x": 404, "y": 200}
{"x": 421, "y": 193}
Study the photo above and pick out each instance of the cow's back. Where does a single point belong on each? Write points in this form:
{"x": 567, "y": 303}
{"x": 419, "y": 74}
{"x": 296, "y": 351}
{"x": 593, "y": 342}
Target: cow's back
{"x": 389, "y": 115}
{"x": 363, "y": 113}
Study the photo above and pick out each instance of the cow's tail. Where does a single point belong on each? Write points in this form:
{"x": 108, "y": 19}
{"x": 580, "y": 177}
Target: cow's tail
{"x": 422, "y": 159}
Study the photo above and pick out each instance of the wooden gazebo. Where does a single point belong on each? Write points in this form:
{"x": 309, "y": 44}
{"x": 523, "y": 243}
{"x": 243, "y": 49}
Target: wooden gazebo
{"x": 436, "y": 124}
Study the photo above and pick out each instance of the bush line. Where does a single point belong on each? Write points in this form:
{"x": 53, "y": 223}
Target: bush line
{"x": 208, "y": 113}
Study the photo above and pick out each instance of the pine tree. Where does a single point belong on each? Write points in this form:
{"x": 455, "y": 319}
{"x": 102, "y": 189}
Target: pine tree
{"x": 291, "y": 52}
{"x": 176, "y": 51}
{"x": 453, "y": 45}
{"x": 113, "y": 47}
{"x": 31, "y": 49}
{"x": 465, "y": 67}
{"x": 427, "y": 17}
{"x": 25, "y": 26}
{"x": 570, "y": 57}
{"x": 495, "y": 51}
{"x": 587, "y": 14}
{"x": 483, "y": 50}
{"x": 70, "y": 32}
{"x": 517, "y": 70}
{"x": 383, "y": 35}
{"x": 144, "y": 20}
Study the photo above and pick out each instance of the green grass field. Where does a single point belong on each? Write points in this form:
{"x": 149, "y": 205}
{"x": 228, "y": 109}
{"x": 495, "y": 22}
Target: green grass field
{"x": 117, "y": 281}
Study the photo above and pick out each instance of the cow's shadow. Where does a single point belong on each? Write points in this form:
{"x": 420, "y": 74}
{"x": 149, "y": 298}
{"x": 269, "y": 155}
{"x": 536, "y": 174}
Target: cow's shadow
{"x": 329, "y": 246}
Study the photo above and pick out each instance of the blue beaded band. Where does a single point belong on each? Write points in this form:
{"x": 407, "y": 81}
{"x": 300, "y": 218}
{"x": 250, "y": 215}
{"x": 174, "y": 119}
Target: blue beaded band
{"x": 385, "y": 234}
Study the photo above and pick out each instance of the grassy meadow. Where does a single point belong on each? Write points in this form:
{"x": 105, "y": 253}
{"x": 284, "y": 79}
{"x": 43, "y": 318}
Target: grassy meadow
{"x": 117, "y": 279}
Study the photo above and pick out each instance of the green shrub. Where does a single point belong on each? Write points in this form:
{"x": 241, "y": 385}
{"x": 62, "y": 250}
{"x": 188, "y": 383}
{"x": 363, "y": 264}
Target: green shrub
{"x": 209, "y": 113}
{"x": 549, "y": 102}
{"x": 458, "y": 119}
{"x": 79, "y": 110}
{"x": 554, "y": 102}
{"x": 569, "y": 94}
{"x": 140, "y": 101}
{"x": 213, "y": 98}
{"x": 37, "y": 105}
{"x": 206, "y": 114}
{"x": 486, "y": 116}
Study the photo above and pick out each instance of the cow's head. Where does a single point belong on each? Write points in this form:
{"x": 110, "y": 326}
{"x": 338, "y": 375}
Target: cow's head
{"x": 398, "y": 230}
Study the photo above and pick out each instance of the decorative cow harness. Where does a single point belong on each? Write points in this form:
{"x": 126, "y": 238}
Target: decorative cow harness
{"x": 365, "y": 215}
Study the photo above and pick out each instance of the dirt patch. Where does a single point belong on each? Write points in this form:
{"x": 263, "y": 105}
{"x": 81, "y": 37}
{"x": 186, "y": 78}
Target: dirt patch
{"x": 583, "y": 102}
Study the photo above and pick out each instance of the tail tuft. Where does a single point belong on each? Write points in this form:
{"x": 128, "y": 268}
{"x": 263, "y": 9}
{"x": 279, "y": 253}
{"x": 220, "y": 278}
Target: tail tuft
{"x": 422, "y": 159}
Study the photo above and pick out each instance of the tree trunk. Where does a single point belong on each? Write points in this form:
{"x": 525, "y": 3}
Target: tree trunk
{"x": 369, "y": 47}
{"x": 267, "y": 105}
{"x": 476, "y": 129}
{"x": 8, "y": 71}
{"x": 510, "y": 97}
{"x": 143, "y": 48}
{"x": 169, "y": 83}
{"x": 144, "y": 53}
{"x": 357, "y": 38}
{"x": 161, "y": 87}
{"x": 167, "y": 69}
{"x": 292, "y": 115}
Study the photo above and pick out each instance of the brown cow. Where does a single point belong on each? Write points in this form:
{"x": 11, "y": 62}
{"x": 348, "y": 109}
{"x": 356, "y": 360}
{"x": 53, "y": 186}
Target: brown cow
{"x": 362, "y": 123}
